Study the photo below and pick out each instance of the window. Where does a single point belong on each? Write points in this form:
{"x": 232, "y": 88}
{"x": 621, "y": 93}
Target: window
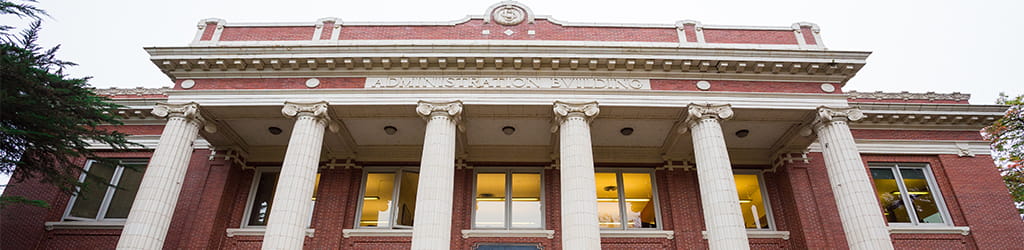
{"x": 389, "y": 199}
{"x": 907, "y": 194}
{"x": 626, "y": 194}
{"x": 102, "y": 202}
{"x": 508, "y": 199}
{"x": 261, "y": 197}
{"x": 753, "y": 200}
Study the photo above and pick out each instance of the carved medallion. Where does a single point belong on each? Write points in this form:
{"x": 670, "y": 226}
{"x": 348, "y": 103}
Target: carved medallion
{"x": 508, "y": 15}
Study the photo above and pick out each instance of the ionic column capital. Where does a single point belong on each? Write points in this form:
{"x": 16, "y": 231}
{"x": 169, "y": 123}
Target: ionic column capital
{"x": 185, "y": 110}
{"x": 189, "y": 111}
{"x": 451, "y": 109}
{"x": 586, "y": 110}
{"x": 827, "y": 115}
{"x": 317, "y": 110}
{"x": 696, "y": 112}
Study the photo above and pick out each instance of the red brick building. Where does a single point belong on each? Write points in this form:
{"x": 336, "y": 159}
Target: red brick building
{"x": 510, "y": 130}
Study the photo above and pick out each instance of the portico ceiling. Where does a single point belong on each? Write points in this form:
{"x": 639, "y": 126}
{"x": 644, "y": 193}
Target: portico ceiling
{"x": 655, "y": 135}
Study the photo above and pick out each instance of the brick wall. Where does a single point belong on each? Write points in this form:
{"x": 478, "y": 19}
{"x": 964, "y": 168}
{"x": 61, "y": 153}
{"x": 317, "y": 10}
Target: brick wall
{"x": 274, "y": 83}
{"x": 749, "y": 36}
{"x": 741, "y": 86}
{"x": 215, "y": 194}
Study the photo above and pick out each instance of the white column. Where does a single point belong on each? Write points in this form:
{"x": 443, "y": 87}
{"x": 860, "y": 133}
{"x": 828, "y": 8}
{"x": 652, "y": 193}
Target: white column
{"x": 289, "y": 213}
{"x": 150, "y": 216}
{"x": 723, "y": 217}
{"x": 433, "y": 212}
{"x": 855, "y": 197}
{"x": 578, "y": 192}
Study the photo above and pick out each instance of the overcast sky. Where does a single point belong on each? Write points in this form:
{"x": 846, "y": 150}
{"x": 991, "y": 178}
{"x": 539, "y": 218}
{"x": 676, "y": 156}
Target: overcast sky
{"x": 919, "y": 46}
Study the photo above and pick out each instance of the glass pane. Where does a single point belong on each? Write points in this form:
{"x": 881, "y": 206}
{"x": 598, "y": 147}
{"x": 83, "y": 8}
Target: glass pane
{"x": 889, "y": 197}
{"x": 640, "y": 211}
{"x": 316, "y": 186}
{"x": 377, "y": 197}
{"x": 921, "y": 195}
{"x": 260, "y": 212}
{"x": 123, "y": 198}
{"x": 87, "y": 204}
{"x": 490, "y": 200}
{"x": 526, "y": 204}
{"x": 751, "y": 201}
{"x": 608, "y": 215}
{"x": 407, "y": 199}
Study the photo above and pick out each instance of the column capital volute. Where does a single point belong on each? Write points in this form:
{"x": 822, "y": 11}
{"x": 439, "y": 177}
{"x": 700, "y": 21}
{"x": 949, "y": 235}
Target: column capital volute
{"x": 827, "y": 115}
{"x": 451, "y": 109}
{"x": 696, "y": 112}
{"x": 189, "y": 111}
{"x": 314, "y": 109}
{"x": 587, "y": 110}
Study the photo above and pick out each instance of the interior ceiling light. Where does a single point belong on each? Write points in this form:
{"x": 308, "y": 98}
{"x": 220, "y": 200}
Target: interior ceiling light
{"x": 390, "y": 130}
{"x": 508, "y": 130}
{"x": 274, "y": 130}
{"x": 742, "y": 133}
{"x": 626, "y": 131}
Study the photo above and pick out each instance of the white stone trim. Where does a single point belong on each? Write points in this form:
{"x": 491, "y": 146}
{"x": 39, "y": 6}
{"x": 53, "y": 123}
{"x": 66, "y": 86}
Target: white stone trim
{"x": 347, "y": 233}
{"x": 480, "y": 233}
{"x": 148, "y": 142}
{"x": 667, "y": 234}
{"x": 611, "y": 25}
{"x": 115, "y": 224}
{"x": 258, "y": 231}
{"x": 916, "y": 147}
{"x": 929, "y": 230}
{"x": 759, "y": 234}
{"x": 746, "y": 27}
{"x": 505, "y": 97}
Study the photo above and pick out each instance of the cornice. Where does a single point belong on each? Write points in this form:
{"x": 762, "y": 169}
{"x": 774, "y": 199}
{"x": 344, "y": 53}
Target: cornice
{"x": 508, "y": 57}
{"x": 938, "y": 116}
{"x": 906, "y": 96}
{"x": 138, "y": 91}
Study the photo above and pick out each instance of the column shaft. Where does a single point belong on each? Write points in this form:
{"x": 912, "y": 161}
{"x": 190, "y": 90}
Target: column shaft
{"x": 579, "y": 194}
{"x": 289, "y": 212}
{"x": 580, "y": 229}
{"x": 150, "y": 216}
{"x": 723, "y": 217}
{"x": 855, "y": 197}
{"x": 433, "y": 211}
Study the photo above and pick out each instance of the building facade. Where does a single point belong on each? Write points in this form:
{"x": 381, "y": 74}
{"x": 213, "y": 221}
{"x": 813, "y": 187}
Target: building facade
{"x": 510, "y": 130}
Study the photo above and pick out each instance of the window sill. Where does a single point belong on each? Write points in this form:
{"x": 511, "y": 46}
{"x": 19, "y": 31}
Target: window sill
{"x": 84, "y": 225}
{"x": 232, "y": 232}
{"x": 638, "y": 234}
{"x": 929, "y": 230}
{"x": 550, "y": 234}
{"x": 376, "y": 233}
{"x": 760, "y": 234}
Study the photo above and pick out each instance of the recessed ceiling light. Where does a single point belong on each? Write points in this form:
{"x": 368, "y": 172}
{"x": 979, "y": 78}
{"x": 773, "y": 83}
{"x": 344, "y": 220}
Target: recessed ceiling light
{"x": 742, "y": 133}
{"x": 390, "y": 130}
{"x": 626, "y": 131}
{"x": 508, "y": 130}
{"x": 274, "y": 130}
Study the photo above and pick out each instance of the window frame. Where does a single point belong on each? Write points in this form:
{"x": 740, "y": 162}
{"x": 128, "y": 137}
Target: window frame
{"x": 508, "y": 171}
{"x": 929, "y": 177}
{"x": 259, "y": 171}
{"x": 764, "y": 196}
{"x": 622, "y": 198}
{"x": 108, "y": 194}
{"x": 393, "y": 216}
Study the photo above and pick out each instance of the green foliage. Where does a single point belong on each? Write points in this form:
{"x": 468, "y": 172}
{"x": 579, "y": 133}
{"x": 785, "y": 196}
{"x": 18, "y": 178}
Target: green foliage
{"x": 1007, "y": 137}
{"x": 47, "y": 119}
